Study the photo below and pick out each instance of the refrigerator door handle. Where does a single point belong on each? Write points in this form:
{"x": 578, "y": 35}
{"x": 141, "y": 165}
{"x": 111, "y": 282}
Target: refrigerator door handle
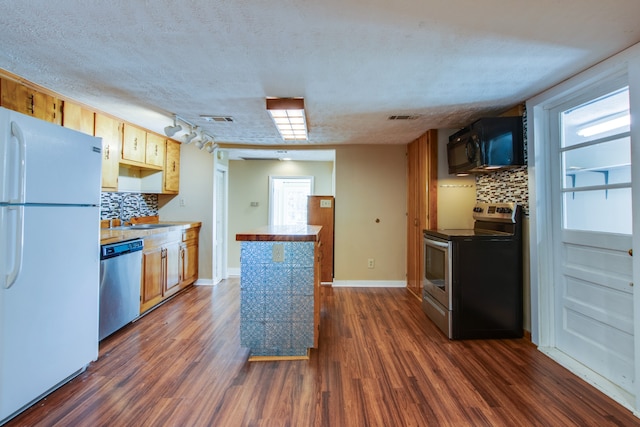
{"x": 19, "y": 247}
{"x": 22, "y": 163}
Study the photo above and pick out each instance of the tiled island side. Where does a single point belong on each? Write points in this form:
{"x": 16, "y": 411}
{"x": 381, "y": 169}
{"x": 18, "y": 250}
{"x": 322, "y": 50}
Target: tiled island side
{"x": 280, "y": 291}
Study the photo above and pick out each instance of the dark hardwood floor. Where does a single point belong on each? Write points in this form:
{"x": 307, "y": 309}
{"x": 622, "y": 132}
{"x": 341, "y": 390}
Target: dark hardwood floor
{"x": 380, "y": 362}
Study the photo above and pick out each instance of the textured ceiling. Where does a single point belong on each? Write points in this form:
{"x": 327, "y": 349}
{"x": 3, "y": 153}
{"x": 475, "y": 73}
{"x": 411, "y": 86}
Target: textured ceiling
{"x": 354, "y": 62}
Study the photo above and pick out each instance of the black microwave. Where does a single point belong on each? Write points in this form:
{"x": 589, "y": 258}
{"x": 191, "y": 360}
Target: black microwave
{"x": 486, "y": 145}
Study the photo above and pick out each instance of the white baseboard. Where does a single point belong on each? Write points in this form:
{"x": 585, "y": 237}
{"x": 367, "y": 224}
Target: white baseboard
{"x": 204, "y": 282}
{"x": 233, "y": 272}
{"x": 369, "y": 283}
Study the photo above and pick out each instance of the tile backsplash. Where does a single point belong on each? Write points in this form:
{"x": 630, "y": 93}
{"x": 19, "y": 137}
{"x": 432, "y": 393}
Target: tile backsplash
{"x": 135, "y": 204}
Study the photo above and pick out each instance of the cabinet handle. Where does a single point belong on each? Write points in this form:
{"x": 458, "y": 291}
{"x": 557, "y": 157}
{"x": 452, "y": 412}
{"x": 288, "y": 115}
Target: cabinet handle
{"x": 31, "y": 104}
{"x": 156, "y": 150}
{"x": 174, "y": 166}
{"x": 106, "y": 152}
{"x": 135, "y": 143}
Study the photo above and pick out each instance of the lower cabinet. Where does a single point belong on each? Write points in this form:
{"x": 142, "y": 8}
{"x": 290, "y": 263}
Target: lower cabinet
{"x": 160, "y": 268}
{"x": 189, "y": 256}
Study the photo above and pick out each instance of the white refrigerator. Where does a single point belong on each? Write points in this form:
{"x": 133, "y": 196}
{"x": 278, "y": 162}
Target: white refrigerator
{"x": 50, "y": 181}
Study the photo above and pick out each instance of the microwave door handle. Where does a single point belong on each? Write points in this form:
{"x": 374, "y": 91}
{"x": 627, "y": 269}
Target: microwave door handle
{"x": 470, "y": 150}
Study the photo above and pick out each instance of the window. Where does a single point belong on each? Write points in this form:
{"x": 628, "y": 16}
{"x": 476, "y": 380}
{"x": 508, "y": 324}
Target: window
{"x": 288, "y": 199}
{"x": 596, "y": 162}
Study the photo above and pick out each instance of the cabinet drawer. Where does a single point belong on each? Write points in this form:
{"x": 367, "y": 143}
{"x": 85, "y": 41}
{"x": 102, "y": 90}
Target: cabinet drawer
{"x": 189, "y": 234}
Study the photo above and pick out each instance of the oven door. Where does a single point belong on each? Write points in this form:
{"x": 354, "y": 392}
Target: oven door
{"x": 437, "y": 270}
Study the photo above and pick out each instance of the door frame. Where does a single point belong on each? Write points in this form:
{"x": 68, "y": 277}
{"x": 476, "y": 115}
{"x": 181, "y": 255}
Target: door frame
{"x": 220, "y": 271}
{"x": 624, "y": 65}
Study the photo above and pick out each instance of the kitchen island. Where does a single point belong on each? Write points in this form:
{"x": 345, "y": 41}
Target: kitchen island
{"x": 280, "y": 291}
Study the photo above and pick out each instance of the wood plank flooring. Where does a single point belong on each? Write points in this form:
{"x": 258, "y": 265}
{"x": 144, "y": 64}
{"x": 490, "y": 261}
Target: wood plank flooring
{"x": 380, "y": 362}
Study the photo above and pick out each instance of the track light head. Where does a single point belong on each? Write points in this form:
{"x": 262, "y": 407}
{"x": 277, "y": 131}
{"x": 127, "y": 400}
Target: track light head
{"x": 188, "y": 138}
{"x": 172, "y": 130}
{"x": 211, "y": 148}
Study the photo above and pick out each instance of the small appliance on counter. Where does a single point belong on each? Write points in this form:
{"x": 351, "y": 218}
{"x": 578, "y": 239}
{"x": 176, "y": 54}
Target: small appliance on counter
{"x": 472, "y": 283}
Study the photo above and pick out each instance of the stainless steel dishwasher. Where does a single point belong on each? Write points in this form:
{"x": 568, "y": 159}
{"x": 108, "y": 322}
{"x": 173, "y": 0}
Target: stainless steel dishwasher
{"x": 120, "y": 276}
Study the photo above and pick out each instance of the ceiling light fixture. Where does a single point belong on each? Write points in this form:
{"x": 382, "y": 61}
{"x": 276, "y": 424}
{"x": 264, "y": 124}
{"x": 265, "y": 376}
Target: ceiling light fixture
{"x": 172, "y": 130}
{"x": 188, "y": 138}
{"x": 204, "y": 140}
{"x": 289, "y": 117}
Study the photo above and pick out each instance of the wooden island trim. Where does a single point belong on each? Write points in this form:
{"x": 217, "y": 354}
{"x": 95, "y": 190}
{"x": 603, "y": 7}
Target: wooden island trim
{"x": 282, "y": 233}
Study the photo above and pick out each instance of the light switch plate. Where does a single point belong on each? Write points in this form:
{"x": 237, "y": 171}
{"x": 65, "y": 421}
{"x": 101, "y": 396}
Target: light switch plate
{"x": 325, "y": 203}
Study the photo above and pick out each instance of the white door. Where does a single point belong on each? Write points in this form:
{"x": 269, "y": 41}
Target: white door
{"x": 592, "y": 217}
{"x": 221, "y": 225}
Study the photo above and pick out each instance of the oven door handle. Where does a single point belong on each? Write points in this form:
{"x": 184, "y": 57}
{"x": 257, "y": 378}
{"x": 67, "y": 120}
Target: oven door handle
{"x": 436, "y": 243}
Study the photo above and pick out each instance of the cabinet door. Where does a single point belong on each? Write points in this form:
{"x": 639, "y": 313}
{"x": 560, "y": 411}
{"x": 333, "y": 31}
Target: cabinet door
{"x": 110, "y": 130}
{"x": 134, "y": 144}
{"x": 172, "y": 168}
{"x": 20, "y": 98}
{"x": 77, "y": 118}
{"x": 153, "y": 273}
{"x": 172, "y": 254}
{"x": 155, "y": 150}
{"x": 188, "y": 263}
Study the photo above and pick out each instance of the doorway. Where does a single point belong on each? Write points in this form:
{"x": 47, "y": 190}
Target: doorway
{"x": 582, "y": 231}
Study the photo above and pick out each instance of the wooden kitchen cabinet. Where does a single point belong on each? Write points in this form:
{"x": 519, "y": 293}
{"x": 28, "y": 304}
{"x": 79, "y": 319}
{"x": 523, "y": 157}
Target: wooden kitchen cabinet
{"x": 422, "y": 157}
{"x": 23, "y": 99}
{"x": 189, "y": 256}
{"x": 134, "y": 144}
{"x": 110, "y": 130}
{"x": 155, "y": 150}
{"x": 78, "y": 118}
{"x": 171, "y": 181}
{"x": 160, "y": 268}
{"x": 152, "y": 278}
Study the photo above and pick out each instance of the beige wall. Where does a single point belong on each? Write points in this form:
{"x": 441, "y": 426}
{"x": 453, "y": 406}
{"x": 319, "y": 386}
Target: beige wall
{"x": 371, "y": 184}
{"x": 196, "y": 189}
{"x": 249, "y": 182}
{"x": 456, "y": 194}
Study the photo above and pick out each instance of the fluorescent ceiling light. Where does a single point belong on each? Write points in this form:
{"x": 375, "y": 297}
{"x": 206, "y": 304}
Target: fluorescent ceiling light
{"x": 605, "y": 126}
{"x": 289, "y": 117}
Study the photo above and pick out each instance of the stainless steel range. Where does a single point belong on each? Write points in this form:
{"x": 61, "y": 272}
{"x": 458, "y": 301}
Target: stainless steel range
{"x": 472, "y": 284}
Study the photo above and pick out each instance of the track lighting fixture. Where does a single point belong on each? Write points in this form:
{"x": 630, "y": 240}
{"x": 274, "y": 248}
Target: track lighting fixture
{"x": 211, "y": 148}
{"x": 172, "y": 130}
{"x": 204, "y": 140}
{"x": 190, "y": 136}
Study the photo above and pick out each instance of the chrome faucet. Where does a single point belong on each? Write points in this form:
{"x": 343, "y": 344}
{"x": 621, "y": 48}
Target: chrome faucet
{"x": 125, "y": 197}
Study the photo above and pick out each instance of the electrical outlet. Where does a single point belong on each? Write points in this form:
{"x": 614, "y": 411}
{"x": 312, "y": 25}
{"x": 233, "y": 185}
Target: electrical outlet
{"x": 277, "y": 253}
{"x": 182, "y": 202}
{"x": 325, "y": 203}
{"x": 371, "y": 263}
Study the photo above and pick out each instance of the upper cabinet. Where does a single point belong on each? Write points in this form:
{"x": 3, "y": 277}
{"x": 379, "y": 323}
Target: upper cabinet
{"x": 110, "y": 130}
{"x": 155, "y": 150}
{"x": 78, "y": 118}
{"x": 20, "y": 98}
{"x": 171, "y": 183}
{"x": 134, "y": 144}
{"x": 133, "y": 159}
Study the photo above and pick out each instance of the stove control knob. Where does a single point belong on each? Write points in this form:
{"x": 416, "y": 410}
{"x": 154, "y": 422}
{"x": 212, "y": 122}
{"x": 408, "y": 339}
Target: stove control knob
{"x": 477, "y": 209}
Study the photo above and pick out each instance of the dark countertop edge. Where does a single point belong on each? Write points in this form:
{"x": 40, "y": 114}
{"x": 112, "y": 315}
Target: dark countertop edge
{"x": 307, "y": 233}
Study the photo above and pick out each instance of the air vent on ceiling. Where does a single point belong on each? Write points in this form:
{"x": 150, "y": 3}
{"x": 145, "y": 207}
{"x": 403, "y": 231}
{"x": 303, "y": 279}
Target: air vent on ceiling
{"x": 403, "y": 117}
{"x": 217, "y": 118}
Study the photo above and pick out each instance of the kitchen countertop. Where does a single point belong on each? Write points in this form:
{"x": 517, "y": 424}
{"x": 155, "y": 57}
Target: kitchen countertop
{"x": 282, "y": 233}
{"x": 119, "y": 234}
